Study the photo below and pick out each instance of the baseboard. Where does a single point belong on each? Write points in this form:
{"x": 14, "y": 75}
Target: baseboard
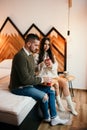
{"x": 79, "y": 89}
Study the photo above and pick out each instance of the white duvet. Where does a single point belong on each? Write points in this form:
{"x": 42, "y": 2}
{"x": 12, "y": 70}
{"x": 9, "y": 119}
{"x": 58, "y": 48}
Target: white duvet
{"x": 5, "y": 68}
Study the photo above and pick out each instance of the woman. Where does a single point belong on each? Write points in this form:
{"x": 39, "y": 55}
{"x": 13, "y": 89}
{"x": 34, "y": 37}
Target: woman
{"x": 48, "y": 66}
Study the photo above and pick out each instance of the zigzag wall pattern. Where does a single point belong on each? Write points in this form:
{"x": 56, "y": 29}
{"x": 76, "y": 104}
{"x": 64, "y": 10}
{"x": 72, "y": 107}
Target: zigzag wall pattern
{"x": 12, "y": 40}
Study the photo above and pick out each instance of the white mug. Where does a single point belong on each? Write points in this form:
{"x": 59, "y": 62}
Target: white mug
{"x": 66, "y": 73}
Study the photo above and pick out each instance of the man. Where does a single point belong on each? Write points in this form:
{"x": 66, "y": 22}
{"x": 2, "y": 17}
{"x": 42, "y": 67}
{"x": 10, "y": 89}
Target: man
{"x": 24, "y": 82}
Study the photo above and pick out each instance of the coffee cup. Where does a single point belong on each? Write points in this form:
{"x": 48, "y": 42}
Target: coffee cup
{"x": 66, "y": 73}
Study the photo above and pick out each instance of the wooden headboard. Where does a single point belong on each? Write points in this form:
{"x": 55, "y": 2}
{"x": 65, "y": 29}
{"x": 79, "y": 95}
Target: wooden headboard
{"x": 12, "y": 40}
{"x": 58, "y": 47}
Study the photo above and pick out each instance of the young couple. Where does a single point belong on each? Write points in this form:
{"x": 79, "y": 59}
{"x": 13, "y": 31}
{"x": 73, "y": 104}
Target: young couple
{"x": 24, "y": 82}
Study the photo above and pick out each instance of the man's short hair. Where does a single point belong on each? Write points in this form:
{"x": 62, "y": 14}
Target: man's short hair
{"x": 31, "y": 37}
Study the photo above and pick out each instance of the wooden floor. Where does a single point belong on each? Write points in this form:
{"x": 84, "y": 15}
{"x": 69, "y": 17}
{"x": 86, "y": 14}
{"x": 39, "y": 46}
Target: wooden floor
{"x": 80, "y": 121}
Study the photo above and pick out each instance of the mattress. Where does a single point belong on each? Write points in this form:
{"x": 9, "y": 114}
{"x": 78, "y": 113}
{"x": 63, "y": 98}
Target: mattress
{"x": 14, "y": 108}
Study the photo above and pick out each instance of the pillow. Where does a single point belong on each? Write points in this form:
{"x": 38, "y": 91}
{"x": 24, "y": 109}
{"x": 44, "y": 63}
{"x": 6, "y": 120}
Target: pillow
{"x": 7, "y": 63}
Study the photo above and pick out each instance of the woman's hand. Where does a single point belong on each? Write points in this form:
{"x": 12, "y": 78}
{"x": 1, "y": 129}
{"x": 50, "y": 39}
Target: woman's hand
{"x": 48, "y": 62}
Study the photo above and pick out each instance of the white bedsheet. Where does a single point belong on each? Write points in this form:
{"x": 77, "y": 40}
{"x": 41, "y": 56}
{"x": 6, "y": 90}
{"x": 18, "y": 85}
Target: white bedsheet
{"x": 14, "y": 108}
{"x": 4, "y": 72}
{"x": 5, "y": 68}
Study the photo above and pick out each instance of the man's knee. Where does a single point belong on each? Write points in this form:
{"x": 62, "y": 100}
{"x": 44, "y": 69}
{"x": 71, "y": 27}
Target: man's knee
{"x": 45, "y": 98}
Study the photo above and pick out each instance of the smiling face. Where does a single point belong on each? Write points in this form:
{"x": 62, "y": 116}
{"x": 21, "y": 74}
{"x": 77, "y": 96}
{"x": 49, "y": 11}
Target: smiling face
{"x": 32, "y": 43}
{"x": 46, "y": 45}
{"x": 32, "y": 46}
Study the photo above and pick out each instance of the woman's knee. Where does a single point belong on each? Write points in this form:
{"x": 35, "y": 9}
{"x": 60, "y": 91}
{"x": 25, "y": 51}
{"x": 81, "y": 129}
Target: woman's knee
{"x": 56, "y": 86}
{"x": 62, "y": 83}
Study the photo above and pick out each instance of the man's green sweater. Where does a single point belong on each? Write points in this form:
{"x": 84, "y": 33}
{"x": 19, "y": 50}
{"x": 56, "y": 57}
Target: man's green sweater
{"x": 23, "y": 71}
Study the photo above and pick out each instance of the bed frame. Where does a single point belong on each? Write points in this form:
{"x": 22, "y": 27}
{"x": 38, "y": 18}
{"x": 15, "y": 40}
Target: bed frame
{"x": 31, "y": 122}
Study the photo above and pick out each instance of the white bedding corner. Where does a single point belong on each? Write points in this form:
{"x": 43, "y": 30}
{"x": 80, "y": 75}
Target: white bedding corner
{"x": 5, "y": 67}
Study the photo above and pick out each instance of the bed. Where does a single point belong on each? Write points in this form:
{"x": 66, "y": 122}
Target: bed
{"x": 16, "y": 112}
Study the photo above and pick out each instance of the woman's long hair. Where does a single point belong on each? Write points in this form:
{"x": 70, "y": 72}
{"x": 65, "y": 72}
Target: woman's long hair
{"x": 42, "y": 51}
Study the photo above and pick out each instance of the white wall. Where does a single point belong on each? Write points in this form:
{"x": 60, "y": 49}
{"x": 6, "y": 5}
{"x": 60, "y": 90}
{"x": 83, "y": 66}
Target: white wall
{"x": 48, "y": 13}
